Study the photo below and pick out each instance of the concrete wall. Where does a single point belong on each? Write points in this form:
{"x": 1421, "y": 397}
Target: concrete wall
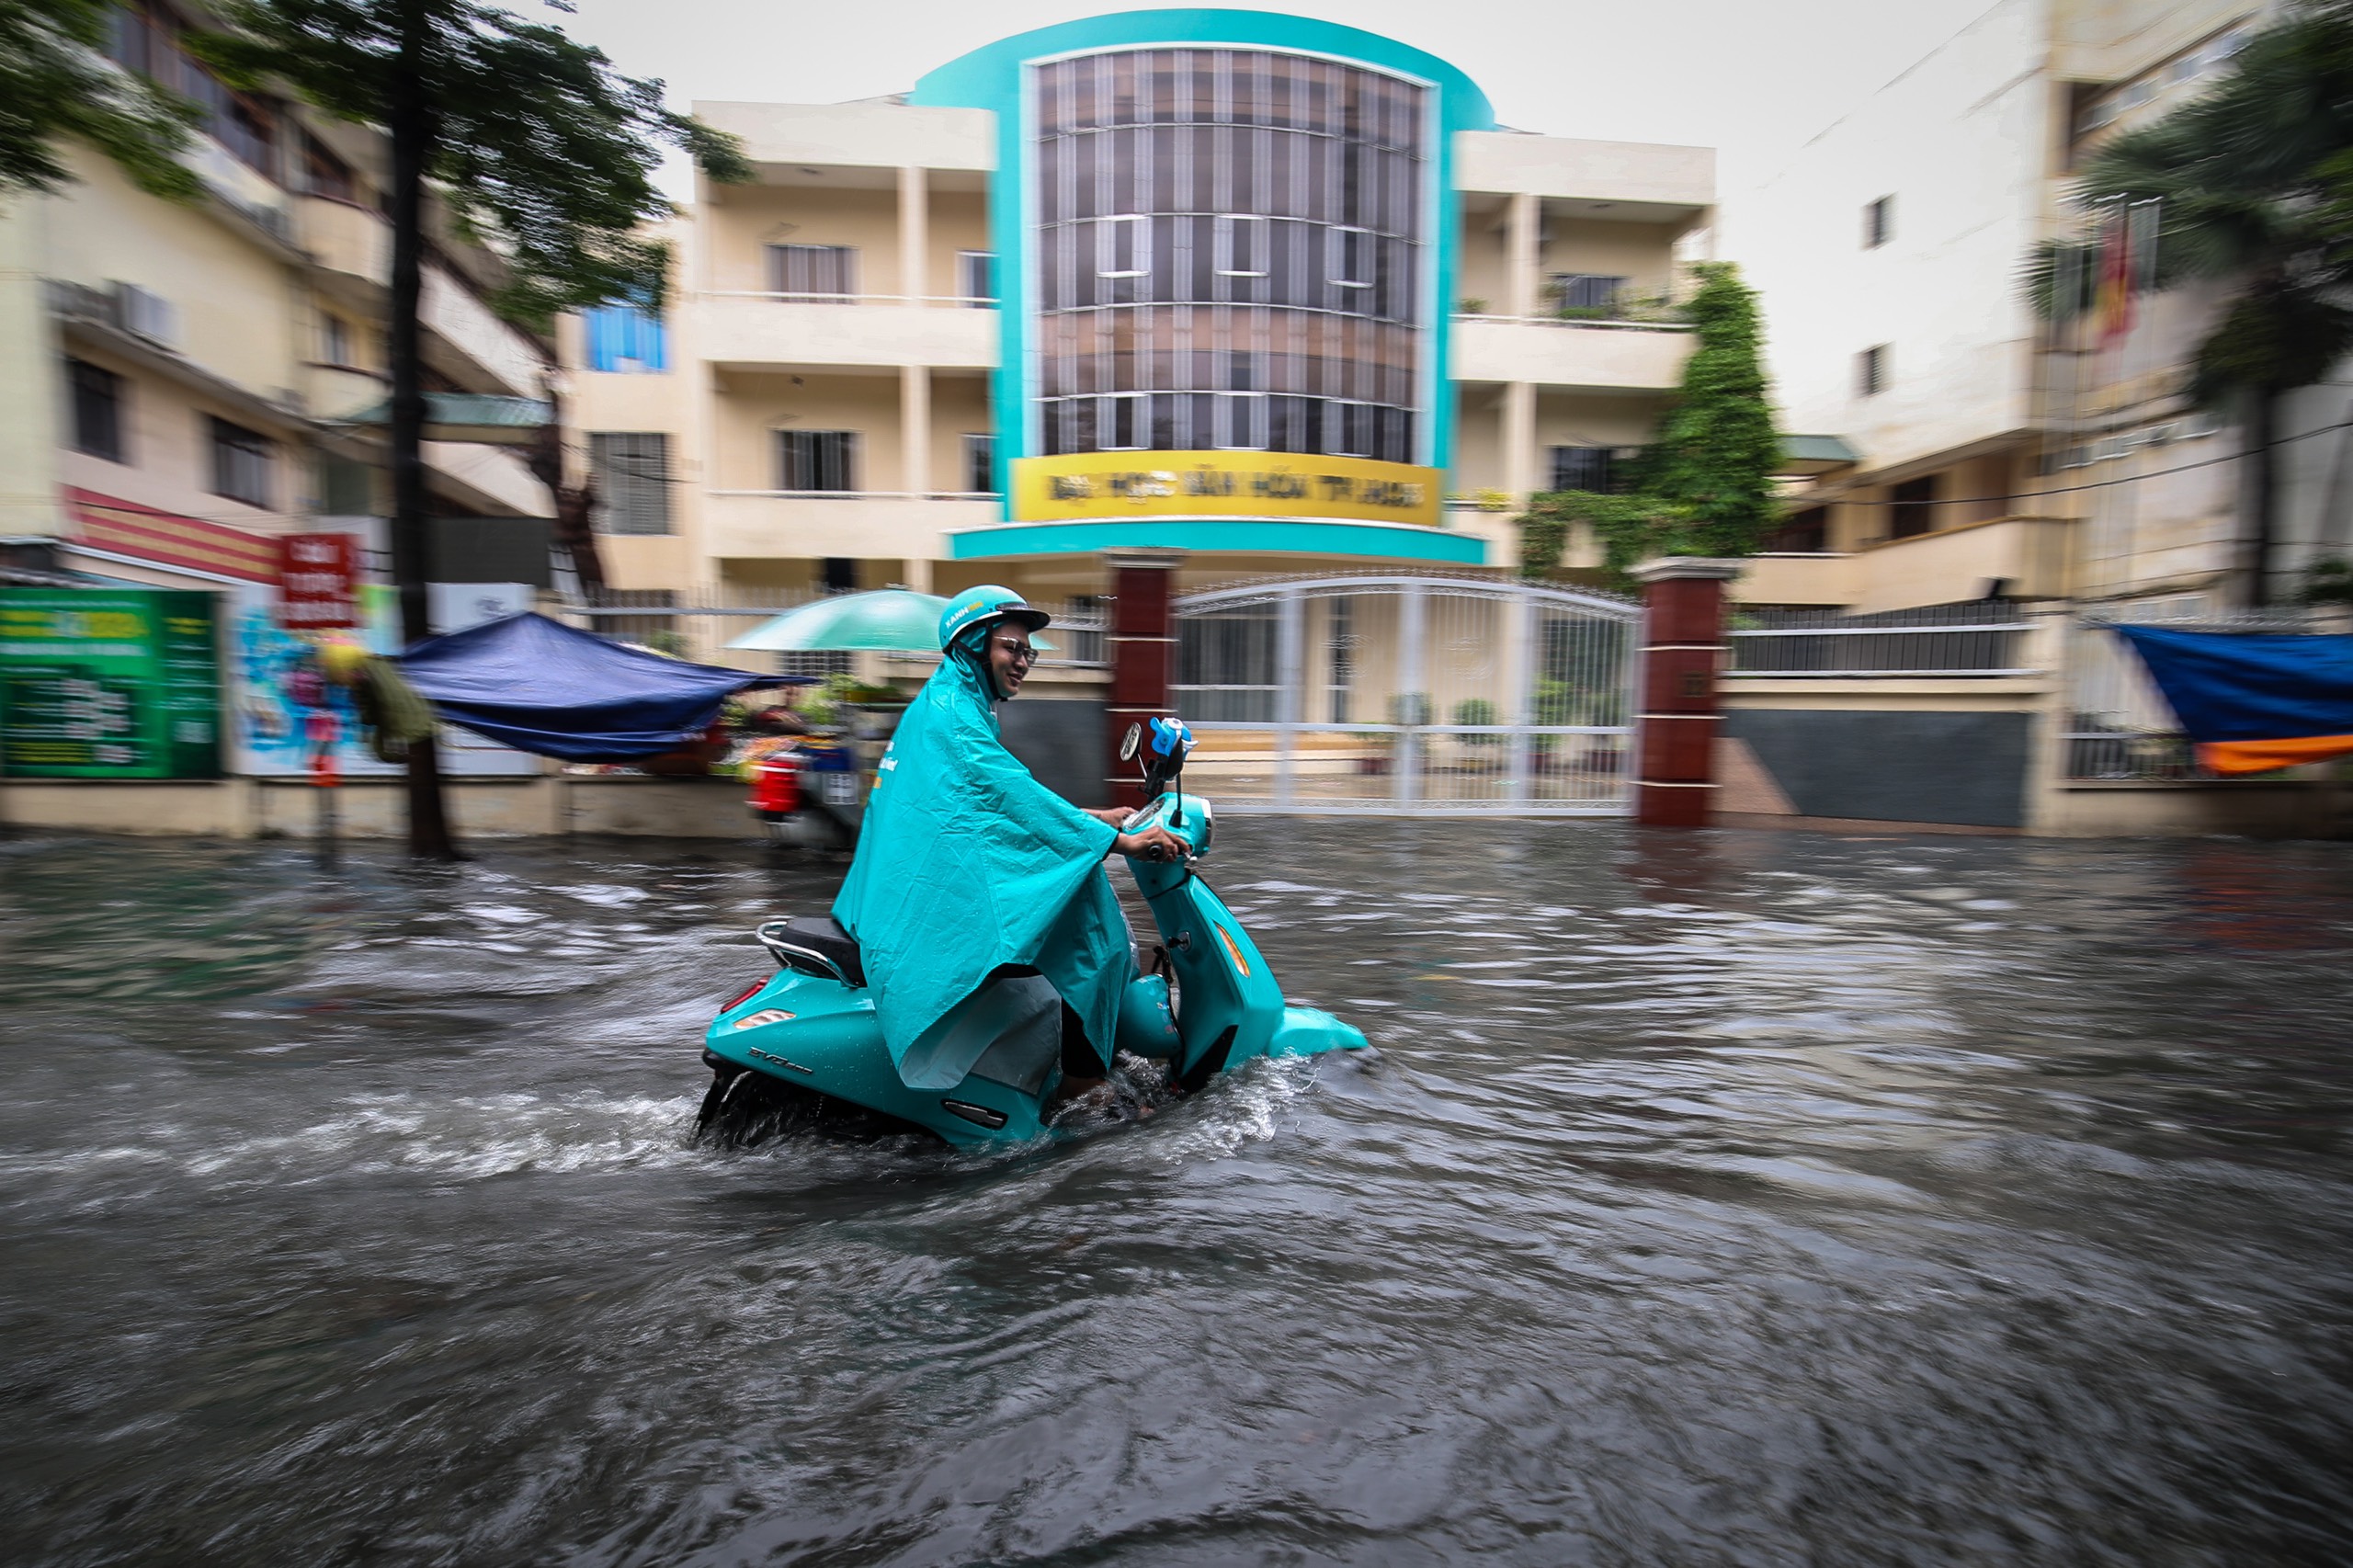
{"x": 1590, "y": 171}
{"x": 238, "y": 315}
{"x": 1959, "y": 140}
{"x": 874, "y": 135}
{"x": 739, "y": 228}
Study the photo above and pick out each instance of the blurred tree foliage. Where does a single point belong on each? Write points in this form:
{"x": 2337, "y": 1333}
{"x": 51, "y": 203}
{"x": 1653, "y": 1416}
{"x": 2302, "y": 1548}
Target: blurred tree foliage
{"x": 56, "y": 85}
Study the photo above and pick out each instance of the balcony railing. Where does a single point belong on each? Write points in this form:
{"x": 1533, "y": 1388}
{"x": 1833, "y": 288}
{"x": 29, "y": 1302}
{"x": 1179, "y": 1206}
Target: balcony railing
{"x": 1980, "y": 640}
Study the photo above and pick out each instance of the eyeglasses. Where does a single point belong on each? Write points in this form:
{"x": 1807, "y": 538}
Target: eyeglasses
{"x": 1019, "y": 653}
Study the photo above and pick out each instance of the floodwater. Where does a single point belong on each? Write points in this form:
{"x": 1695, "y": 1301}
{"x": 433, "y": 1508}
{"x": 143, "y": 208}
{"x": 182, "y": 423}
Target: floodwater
{"x": 1729, "y": 1197}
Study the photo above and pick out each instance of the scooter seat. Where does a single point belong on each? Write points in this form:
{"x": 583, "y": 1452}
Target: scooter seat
{"x": 814, "y": 944}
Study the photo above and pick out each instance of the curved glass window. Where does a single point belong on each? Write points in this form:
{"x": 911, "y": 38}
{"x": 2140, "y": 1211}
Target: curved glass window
{"x": 1230, "y": 252}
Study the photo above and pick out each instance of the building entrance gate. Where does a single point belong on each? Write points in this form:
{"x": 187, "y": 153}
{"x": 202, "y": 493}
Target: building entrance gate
{"x": 1424, "y": 693}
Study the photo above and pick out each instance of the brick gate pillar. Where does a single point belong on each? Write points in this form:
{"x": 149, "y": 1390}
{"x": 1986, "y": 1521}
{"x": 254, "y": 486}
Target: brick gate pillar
{"x": 1142, "y": 645}
{"x": 1682, "y": 645}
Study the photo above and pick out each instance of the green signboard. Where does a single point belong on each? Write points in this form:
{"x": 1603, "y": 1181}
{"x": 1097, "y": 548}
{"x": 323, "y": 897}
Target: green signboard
{"x": 109, "y": 683}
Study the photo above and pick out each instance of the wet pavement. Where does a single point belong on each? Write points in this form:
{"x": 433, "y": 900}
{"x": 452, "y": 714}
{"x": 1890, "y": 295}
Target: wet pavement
{"x": 1730, "y": 1197}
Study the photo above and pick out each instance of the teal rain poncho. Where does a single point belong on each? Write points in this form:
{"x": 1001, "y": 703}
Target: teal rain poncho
{"x": 964, "y": 863}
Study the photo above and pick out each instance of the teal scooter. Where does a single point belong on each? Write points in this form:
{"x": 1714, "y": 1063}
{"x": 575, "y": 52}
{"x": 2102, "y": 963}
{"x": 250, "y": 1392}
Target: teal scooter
{"x": 803, "y": 1049}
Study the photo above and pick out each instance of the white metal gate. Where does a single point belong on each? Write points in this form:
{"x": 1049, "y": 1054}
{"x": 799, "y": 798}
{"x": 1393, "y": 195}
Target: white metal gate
{"x": 1424, "y": 694}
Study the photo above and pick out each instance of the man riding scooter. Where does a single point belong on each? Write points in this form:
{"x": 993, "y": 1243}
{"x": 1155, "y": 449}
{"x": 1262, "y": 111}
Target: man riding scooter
{"x": 969, "y": 870}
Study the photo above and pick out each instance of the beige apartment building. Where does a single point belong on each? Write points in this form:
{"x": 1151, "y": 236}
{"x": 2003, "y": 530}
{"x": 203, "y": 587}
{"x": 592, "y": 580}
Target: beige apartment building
{"x": 179, "y": 384}
{"x": 1992, "y": 449}
{"x": 1276, "y": 294}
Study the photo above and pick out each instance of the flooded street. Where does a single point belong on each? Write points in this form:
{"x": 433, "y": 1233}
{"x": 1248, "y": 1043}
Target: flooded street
{"x": 1728, "y": 1197}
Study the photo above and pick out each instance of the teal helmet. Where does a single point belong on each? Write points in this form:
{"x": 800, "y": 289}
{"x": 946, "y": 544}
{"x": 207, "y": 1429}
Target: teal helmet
{"x": 978, "y": 607}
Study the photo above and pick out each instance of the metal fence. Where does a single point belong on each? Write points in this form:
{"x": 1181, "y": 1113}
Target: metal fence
{"x": 1391, "y": 693}
{"x": 2119, "y": 726}
{"x": 1982, "y": 638}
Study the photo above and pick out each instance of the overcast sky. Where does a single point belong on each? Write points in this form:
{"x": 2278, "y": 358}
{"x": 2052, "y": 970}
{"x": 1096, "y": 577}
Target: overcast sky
{"x": 1751, "y": 80}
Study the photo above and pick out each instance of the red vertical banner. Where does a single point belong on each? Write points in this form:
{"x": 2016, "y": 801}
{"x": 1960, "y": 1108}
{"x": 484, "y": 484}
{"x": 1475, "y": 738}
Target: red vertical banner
{"x": 316, "y": 577}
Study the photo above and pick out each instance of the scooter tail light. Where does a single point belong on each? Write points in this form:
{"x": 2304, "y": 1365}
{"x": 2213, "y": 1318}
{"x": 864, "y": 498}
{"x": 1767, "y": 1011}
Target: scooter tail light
{"x": 743, "y": 995}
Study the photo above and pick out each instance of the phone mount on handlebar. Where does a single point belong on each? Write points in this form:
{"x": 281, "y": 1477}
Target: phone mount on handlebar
{"x": 1161, "y": 755}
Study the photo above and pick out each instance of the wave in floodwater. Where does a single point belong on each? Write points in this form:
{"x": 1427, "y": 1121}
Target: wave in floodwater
{"x": 1720, "y": 1197}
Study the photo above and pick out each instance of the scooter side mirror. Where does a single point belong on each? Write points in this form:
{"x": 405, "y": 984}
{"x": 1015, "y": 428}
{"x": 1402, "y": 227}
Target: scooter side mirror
{"x": 1129, "y": 741}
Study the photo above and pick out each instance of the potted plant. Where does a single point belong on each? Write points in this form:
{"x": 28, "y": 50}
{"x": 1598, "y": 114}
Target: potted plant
{"x": 1474, "y": 710}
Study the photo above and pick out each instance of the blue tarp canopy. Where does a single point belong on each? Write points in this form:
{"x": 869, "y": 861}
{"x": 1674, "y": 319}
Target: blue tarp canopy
{"x": 540, "y": 685}
{"x": 2253, "y": 701}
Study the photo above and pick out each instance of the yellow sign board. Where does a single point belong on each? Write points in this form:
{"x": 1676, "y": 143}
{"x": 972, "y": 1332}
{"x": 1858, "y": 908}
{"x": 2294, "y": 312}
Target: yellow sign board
{"x": 1221, "y": 484}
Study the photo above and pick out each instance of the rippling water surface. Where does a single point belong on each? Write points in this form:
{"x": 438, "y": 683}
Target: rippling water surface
{"x": 1722, "y": 1198}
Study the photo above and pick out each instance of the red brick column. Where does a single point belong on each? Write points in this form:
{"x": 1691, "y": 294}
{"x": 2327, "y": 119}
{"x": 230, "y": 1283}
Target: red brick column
{"x": 1142, "y": 643}
{"x": 1683, "y": 636}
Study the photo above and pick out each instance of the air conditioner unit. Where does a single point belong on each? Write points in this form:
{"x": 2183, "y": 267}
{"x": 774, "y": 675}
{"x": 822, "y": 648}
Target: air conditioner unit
{"x": 147, "y": 314}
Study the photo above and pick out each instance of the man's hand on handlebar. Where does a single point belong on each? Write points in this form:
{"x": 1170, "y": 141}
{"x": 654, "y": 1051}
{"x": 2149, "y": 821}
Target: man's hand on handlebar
{"x": 1152, "y": 844}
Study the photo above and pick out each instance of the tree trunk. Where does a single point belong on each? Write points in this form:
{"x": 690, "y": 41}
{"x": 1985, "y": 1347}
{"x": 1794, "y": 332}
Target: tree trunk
{"x": 411, "y": 131}
{"x": 576, "y": 504}
{"x": 2262, "y": 492}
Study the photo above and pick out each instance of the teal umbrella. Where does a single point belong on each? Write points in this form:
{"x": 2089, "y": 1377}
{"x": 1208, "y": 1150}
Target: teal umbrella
{"x": 887, "y": 620}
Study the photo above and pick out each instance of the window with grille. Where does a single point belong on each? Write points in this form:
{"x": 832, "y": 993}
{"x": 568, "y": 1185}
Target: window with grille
{"x": 633, "y": 475}
{"x": 822, "y": 461}
{"x": 1082, "y": 629}
{"x": 98, "y": 411}
{"x": 820, "y": 665}
{"x": 1585, "y": 468}
{"x": 1879, "y": 222}
{"x": 979, "y": 464}
{"x": 240, "y": 463}
{"x": 1595, "y": 293}
{"x": 1912, "y": 508}
{"x": 815, "y": 272}
{"x": 334, "y": 341}
{"x": 1871, "y": 372}
{"x": 1806, "y": 533}
{"x": 976, "y": 277}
